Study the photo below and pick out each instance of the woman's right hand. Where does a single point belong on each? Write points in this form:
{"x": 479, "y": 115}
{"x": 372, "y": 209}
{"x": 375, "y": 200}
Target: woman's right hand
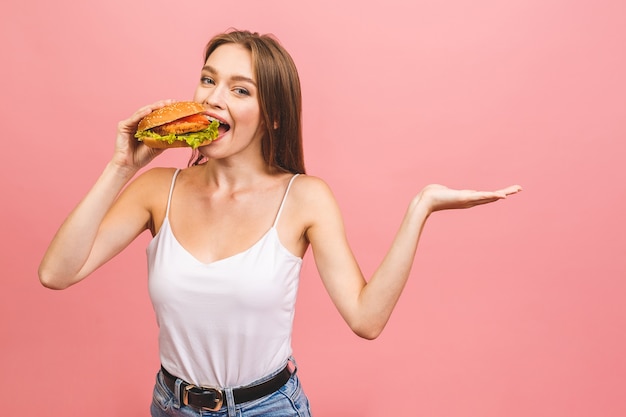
{"x": 131, "y": 153}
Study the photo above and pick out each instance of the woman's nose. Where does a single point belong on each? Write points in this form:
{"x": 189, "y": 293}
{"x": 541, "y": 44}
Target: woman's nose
{"x": 215, "y": 98}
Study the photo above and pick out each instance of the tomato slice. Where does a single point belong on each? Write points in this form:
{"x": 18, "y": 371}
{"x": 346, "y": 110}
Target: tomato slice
{"x": 194, "y": 118}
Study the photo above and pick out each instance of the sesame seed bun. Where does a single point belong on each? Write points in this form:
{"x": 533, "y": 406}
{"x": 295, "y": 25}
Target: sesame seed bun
{"x": 169, "y": 113}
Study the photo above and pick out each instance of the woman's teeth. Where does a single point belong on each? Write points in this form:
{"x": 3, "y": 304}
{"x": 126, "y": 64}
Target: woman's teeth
{"x": 223, "y": 125}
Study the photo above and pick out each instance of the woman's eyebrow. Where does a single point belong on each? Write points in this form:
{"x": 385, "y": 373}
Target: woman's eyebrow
{"x": 212, "y": 70}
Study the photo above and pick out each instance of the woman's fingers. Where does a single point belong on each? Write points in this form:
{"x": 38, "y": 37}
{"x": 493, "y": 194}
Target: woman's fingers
{"x": 129, "y": 151}
{"x": 512, "y": 189}
{"x": 132, "y": 122}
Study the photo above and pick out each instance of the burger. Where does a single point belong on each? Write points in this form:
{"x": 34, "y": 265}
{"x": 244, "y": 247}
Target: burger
{"x": 177, "y": 125}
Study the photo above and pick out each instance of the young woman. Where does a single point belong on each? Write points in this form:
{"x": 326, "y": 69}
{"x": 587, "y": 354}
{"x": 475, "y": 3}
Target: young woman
{"x": 229, "y": 233}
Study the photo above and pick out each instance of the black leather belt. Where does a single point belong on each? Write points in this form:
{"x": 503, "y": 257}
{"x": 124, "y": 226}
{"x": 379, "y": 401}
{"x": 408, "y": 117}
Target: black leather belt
{"x": 212, "y": 399}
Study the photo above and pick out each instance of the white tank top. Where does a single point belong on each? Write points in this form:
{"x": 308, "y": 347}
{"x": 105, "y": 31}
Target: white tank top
{"x": 227, "y": 323}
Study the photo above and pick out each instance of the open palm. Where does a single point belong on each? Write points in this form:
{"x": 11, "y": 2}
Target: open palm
{"x": 439, "y": 197}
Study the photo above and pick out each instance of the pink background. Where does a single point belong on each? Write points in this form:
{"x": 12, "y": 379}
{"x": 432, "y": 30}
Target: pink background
{"x": 513, "y": 309}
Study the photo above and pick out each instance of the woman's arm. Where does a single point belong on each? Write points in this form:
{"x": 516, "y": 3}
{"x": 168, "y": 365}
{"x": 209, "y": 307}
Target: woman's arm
{"x": 367, "y": 305}
{"x": 94, "y": 232}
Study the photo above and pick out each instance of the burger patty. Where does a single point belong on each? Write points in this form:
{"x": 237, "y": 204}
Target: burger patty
{"x": 179, "y": 128}
{"x": 193, "y": 123}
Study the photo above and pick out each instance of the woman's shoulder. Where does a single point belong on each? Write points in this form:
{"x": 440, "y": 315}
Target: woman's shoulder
{"x": 151, "y": 182}
{"x": 312, "y": 193}
{"x": 309, "y": 185}
{"x": 156, "y": 176}
{"x": 150, "y": 189}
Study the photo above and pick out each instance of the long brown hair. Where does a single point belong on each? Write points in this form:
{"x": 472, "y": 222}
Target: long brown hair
{"x": 280, "y": 98}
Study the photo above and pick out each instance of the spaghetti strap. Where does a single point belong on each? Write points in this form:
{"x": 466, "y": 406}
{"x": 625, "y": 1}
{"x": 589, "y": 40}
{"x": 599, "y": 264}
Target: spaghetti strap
{"x": 169, "y": 197}
{"x": 282, "y": 203}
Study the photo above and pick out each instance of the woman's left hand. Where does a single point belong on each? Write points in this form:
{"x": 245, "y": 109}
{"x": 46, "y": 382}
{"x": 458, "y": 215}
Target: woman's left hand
{"x": 438, "y": 197}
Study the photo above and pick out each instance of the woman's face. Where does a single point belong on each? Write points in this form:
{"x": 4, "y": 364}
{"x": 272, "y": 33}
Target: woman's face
{"x": 229, "y": 93}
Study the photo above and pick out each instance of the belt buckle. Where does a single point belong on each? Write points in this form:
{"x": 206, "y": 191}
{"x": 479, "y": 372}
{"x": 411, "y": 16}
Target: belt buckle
{"x": 217, "y": 393}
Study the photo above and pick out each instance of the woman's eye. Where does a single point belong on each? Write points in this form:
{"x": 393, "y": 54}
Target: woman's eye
{"x": 242, "y": 91}
{"x": 207, "y": 80}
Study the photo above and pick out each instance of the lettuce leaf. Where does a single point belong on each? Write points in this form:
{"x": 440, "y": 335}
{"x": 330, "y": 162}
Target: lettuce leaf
{"x": 193, "y": 139}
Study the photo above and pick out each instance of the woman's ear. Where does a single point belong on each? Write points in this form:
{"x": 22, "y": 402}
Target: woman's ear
{"x": 275, "y": 125}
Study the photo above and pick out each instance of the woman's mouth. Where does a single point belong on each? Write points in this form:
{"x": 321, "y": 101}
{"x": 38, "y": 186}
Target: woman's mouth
{"x": 222, "y": 128}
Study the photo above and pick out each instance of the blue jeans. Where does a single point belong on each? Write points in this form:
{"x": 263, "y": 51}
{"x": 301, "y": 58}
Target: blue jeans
{"x": 288, "y": 401}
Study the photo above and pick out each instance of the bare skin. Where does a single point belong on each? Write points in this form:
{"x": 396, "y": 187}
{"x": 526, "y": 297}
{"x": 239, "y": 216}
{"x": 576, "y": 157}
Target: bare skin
{"x": 231, "y": 186}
